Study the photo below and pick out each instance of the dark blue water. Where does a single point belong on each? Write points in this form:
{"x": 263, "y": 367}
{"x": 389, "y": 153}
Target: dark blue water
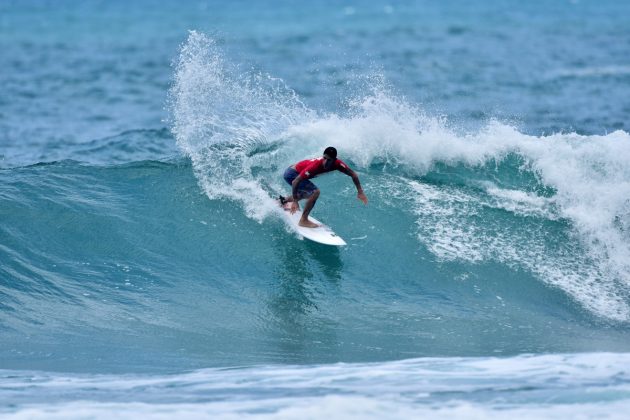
{"x": 140, "y": 146}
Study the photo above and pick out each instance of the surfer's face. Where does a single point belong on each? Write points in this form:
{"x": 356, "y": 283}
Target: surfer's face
{"x": 328, "y": 162}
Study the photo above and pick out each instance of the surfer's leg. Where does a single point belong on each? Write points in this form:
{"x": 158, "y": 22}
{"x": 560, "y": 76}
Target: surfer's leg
{"x": 303, "y": 189}
{"x": 307, "y": 209}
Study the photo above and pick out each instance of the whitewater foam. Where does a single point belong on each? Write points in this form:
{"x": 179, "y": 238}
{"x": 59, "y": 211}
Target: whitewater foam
{"x": 241, "y": 130}
{"x": 588, "y": 177}
{"x": 543, "y": 386}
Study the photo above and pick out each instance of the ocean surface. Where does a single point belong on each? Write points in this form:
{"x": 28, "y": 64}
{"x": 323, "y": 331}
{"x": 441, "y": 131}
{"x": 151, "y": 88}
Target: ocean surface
{"x": 146, "y": 270}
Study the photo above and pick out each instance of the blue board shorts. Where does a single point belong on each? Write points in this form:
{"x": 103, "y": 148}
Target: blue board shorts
{"x": 305, "y": 188}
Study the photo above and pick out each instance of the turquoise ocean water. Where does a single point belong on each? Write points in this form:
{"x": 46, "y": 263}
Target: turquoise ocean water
{"x": 145, "y": 270}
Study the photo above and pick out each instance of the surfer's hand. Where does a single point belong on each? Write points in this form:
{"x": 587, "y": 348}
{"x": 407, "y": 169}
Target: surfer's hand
{"x": 361, "y": 196}
{"x": 294, "y": 207}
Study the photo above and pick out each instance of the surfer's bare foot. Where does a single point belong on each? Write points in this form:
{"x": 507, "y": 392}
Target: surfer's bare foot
{"x": 307, "y": 223}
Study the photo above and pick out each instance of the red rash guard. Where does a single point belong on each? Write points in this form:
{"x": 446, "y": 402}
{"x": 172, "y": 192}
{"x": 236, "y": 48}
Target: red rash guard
{"x": 310, "y": 168}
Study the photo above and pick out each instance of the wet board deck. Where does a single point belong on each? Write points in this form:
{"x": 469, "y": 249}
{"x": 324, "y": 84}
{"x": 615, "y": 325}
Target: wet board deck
{"x": 321, "y": 234}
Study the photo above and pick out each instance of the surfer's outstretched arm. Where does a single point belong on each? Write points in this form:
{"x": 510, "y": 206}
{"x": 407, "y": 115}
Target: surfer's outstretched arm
{"x": 355, "y": 178}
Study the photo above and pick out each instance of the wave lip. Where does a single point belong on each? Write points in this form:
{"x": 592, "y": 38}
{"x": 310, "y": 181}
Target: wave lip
{"x": 580, "y": 181}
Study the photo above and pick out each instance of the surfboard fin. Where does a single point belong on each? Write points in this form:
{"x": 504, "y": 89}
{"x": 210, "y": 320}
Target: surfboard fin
{"x": 282, "y": 200}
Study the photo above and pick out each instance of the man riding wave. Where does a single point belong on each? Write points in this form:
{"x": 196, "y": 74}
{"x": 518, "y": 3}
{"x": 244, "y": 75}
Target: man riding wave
{"x": 298, "y": 176}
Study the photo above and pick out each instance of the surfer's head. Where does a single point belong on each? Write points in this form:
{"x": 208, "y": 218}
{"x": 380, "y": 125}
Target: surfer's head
{"x": 330, "y": 155}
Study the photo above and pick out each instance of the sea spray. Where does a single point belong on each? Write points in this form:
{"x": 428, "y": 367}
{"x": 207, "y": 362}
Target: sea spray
{"x": 221, "y": 118}
{"x": 242, "y": 129}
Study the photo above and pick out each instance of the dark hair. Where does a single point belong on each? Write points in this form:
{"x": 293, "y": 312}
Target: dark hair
{"x": 331, "y": 152}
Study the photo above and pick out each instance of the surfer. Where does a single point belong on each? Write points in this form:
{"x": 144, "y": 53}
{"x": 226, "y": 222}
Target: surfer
{"x": 298, "y": 176}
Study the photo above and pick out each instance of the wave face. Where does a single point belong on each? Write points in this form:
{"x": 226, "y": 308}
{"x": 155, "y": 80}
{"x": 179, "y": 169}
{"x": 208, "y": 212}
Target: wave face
{"x": 142, "y": 253}
{"x": 474, "y": 243}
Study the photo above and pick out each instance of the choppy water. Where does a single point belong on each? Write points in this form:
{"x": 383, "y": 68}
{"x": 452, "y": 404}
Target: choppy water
{"x": 559, "y": 386}
{"x": 144, "y": 269}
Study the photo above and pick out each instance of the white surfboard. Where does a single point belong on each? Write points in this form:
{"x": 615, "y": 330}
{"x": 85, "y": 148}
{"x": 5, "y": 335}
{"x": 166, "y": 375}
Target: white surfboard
{"x": 321, "y": 234}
